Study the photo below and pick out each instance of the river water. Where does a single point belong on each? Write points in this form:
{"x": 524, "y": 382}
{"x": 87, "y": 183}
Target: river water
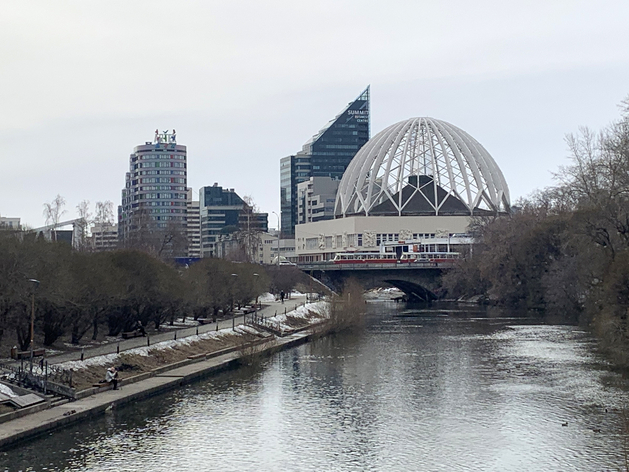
{"x": 417, "y": 389}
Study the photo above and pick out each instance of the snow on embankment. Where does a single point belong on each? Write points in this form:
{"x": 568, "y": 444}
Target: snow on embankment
{"x": 266, "y": 298}
{"x": 311, "y": 311}
{"x": 145, "y": 351}
{"x": 7, "y": 391}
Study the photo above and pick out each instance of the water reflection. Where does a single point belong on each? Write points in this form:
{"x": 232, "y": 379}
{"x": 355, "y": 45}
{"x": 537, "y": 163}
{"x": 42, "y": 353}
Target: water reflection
{"x": 422, "y": 388}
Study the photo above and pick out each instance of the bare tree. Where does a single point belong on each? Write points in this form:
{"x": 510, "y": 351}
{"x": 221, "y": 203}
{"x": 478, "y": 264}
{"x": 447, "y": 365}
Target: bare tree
{"x": 83, "y": 209}
{"x": 53, "y": 212}
{"x": 248, "y": 236}
{"x": 104, "y": 213}
{"x": 165, "y": 240}
{"x": 103, "y": 219}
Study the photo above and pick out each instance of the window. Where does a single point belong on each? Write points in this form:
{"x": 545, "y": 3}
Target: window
{"x": 312, "y": 243}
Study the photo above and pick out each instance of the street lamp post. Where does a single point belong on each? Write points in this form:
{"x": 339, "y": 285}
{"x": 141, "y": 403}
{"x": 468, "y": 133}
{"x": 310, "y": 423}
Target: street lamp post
{"x": 256, "y": 287}
{"x": 35, "y": 285}
{"x": 233, "y": 306}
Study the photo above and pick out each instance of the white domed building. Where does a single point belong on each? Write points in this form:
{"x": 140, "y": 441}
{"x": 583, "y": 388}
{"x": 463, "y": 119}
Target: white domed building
{"x": 416, "y": 180}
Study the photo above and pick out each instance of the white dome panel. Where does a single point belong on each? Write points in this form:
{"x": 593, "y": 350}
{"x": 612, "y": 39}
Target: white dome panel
{"x": 422, "y": 166}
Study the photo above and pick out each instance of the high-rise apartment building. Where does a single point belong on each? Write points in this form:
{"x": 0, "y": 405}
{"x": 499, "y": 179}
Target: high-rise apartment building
{"x": 326, "y": 154}
{"x": 154, "y": 199}
{"x": 193, "y": 226}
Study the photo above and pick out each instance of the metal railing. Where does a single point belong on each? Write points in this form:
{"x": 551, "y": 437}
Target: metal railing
{"x": 39, "y": 376}
{"x": 260, "y": 322}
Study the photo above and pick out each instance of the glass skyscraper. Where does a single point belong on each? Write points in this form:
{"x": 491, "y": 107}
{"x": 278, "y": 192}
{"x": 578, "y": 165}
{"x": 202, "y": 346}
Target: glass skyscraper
{"x": 326, "y": 154}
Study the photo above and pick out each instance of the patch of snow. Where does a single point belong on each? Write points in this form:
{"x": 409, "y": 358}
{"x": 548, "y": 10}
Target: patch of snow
{"x": 189, "y": 322}
{"x": 266, "y": 298}
{"x": 244, "y": 329}
{"x": 304, "y": 311}
{"x": 383, "y": 293}
{"x": 77, "y": 346}
{"x": 7, "y": 391}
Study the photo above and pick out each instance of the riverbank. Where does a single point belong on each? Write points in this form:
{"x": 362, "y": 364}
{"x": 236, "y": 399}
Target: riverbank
{"x": 245, "y": 342}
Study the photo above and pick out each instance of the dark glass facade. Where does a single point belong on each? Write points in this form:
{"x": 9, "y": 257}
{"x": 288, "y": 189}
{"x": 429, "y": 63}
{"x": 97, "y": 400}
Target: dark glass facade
{"x": 287, "y": 177}
{"x": 327, "y": 154}
{"x": 222, "y": 211}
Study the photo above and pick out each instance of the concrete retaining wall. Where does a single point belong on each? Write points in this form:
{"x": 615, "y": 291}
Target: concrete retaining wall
{"x": 165, "y": 378}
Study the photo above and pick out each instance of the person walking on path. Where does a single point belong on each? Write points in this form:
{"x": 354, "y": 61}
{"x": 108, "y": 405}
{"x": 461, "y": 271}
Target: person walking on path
{"x": 282, "y": 296}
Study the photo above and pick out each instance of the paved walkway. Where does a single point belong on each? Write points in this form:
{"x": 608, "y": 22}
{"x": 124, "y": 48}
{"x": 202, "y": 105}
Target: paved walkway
{"x": 269, "y": 309}
{"x": 46, "y": 420}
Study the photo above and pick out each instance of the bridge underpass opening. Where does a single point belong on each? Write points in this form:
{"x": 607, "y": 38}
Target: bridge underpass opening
{"x": 413, "y": 291}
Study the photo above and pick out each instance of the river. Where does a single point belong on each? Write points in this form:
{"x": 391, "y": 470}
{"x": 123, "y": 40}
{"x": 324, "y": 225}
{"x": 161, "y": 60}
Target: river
{"x": 434, "y": 388}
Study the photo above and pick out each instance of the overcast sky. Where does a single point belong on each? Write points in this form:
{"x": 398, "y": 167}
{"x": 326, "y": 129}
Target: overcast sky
{"x": 245, "y": 83}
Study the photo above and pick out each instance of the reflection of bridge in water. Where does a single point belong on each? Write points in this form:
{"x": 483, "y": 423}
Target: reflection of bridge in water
{"x": 418, "y": 280}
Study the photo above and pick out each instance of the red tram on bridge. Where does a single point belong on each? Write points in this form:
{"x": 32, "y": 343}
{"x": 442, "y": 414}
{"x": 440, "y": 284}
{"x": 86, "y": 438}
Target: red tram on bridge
{"x": 393, "y": 258}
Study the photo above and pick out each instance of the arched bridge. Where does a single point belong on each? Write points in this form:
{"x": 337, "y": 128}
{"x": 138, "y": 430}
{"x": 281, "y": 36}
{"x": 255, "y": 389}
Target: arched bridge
{"x": 418, "y": 281}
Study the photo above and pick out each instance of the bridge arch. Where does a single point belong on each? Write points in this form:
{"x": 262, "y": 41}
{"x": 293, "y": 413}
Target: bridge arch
{"x": 414, "y": 292}
{"x": 418, "y": 282}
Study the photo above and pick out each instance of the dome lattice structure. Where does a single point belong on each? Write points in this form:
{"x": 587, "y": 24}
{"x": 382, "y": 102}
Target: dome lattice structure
{"x": 422, "y": 166}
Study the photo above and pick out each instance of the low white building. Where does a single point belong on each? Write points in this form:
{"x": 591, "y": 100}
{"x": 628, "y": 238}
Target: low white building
{"x": 104, "y": 237}
{"x": 320, "y": 241}
{"x": 9, "y": 223}
{"x": 270, "y": 243}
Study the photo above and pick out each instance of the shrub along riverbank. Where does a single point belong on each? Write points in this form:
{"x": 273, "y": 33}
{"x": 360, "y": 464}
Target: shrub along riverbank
{"x": 564, "y": 250}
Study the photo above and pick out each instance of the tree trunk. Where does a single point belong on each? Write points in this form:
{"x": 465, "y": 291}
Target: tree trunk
{"x": 95, "y": 325}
